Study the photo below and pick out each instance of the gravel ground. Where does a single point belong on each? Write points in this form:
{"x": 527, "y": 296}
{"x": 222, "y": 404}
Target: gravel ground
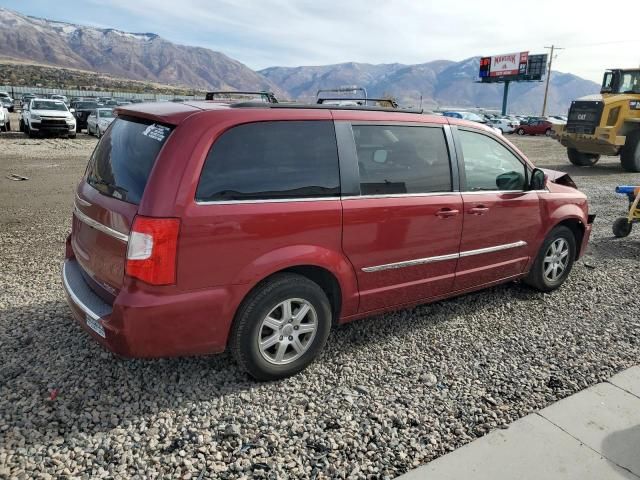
{"x": 388, "y": 394}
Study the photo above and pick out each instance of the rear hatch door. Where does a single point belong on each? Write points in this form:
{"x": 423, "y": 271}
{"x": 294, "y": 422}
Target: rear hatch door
{"x": 107, "y": 199}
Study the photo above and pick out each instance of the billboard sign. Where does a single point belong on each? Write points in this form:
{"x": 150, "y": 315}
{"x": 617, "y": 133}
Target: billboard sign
{"x": 512, "y": 66}
{"x": 509, "y": 64}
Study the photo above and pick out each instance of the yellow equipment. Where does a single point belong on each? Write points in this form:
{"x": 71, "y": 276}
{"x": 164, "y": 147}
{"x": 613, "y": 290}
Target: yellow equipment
{"x": 622, "y": 226}
{"x": 606, "y": 124}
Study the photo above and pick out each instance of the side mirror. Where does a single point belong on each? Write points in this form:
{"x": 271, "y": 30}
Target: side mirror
{"x": 538, "y": 180}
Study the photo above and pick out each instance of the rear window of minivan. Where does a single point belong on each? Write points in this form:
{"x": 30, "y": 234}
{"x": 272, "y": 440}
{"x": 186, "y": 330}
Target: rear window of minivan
{"x": 122, "y": 161}
{"x": 272, "y": 160}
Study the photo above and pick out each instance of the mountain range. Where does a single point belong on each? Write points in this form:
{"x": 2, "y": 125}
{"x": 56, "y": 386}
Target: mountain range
{"x": 149, "y": 57}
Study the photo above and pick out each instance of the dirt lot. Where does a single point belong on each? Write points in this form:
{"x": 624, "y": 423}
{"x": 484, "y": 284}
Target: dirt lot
{"x": 389, "y": 393}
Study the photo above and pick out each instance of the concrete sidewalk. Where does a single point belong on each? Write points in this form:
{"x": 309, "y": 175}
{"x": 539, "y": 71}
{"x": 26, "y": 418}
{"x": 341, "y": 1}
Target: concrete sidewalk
{"x": 594, "y": 434}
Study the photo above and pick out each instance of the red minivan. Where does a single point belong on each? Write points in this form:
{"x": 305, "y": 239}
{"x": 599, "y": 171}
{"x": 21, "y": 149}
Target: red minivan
{"x": 256, "y": 227}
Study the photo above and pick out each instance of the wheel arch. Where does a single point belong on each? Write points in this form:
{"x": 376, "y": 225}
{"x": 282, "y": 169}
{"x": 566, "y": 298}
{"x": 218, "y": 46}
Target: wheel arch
{"x": 329, "y": 269}
{"x": 576, "y": 225}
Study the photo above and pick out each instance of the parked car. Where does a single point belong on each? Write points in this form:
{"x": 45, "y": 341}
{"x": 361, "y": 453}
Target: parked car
{"x": 199, "y": 227}
{"x": 556, "y": 119}
{"x": 46, "y": 116}
{"x": 472, "y": 117}
{"x": 502, "y": 124}
{"x": 536, "y": 127}
{"x": 25, "y": 99}
{"x": 62, "y": 98}
{"x": 99, "y": 120}
{"x": 6, "y": 101}
{"x": 83, "y": 109}
{"x": 5, "y": 121}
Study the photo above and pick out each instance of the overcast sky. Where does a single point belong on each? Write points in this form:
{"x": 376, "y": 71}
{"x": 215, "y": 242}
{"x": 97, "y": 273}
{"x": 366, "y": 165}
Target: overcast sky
{"x": 262, "y": 33}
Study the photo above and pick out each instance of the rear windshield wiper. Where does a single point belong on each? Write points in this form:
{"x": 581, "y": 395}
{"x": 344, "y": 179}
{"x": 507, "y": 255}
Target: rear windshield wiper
{"x": 98, "y": 181}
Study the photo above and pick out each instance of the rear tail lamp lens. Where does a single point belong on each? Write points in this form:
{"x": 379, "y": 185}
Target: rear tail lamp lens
{"x": 152, "y": 250}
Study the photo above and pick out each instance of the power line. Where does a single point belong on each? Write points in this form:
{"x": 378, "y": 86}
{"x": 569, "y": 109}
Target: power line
{"x": 546, "y": 88}
{"x": 613, "y": 42}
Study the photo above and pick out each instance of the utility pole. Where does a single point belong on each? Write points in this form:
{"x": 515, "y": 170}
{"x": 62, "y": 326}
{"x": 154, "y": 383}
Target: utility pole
{"x": 546, "y": 88}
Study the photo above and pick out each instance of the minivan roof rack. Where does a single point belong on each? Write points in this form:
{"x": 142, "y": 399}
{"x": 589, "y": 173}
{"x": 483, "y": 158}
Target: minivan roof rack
{"x": 316, "y": 106}
{"x": 268, "y": 96}
{"x": 390, "y": 101}
{"x": 352, "y": 89}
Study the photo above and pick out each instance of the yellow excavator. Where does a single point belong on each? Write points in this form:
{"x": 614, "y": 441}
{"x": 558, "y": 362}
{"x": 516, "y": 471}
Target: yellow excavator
{"x": 606, "y": 124}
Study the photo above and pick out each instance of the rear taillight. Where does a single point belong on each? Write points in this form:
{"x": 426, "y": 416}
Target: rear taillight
{"x": 152, "y": 250}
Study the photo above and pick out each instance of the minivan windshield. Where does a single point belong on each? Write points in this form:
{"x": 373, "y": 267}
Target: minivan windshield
{"x": 122, "y": 161}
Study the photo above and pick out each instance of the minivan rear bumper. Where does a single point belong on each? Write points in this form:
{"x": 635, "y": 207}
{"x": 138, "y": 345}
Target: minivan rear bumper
{"x": 148, "y": 325}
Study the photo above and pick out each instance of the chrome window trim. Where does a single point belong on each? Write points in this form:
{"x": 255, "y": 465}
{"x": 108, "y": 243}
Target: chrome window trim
{"x": 401, "y": 195}
{"x": 74, "y": 297}
{"x": 266, "y": 200}
{"x": 362, "y": 197}
{"x": 442, "y": 258}
{"x": 99, "y": 226}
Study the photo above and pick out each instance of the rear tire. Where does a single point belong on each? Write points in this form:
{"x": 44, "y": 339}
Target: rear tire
{"x": 521, "y": 131}
{"x": 548, "y": 132}
{"x": 581, "y": 159}
{"x": 285, "y": 349}
{"x": 554, "y": 260}
{"x": 21, "y": 126}
{"x": 630, "y": 154}
{"x": 622, "y": 227}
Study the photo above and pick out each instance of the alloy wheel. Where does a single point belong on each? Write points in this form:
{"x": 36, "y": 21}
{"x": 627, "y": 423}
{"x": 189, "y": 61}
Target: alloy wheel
{"x": 287, "y": 332}
{"x": 556, "y": 259}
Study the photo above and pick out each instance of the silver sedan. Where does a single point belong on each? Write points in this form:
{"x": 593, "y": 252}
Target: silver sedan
{"x": 99, "y": 120}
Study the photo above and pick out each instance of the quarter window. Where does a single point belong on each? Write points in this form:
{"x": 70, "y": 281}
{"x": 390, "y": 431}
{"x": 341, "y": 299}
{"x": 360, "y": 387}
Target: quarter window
{"x": 488, "y": 165}
{"x": 402, "y": 159}
{"x": 272, "y": 160}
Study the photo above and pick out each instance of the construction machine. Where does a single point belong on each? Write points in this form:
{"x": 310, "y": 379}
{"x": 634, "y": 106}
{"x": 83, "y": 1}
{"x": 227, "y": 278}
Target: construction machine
{"x": 605, "y": 124}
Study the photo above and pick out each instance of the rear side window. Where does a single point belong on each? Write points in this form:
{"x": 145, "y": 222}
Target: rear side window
{"x": 402, "y": 159}
{"x": 272, "y": 160}
{"x": 122, "y": 161}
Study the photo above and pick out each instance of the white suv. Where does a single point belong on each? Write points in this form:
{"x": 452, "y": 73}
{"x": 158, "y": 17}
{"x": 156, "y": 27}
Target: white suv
{"x": 47, "y": 116}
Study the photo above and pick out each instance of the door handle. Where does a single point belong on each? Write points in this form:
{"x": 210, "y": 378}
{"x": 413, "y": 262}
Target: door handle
{"x": 478, "y": 210}
{"x": 447, "y": 212}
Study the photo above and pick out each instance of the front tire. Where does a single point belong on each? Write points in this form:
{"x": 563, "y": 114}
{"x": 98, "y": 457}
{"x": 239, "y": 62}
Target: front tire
{"x": 622, "y": 227}
{"x": 630, "y": 154}
{"x": 581, "y": 159}
{"x": 521, "y": 131}
{"x": 548, "y": 132}
{"x": 554, "y": 260}
{"x": 281, "y": 327}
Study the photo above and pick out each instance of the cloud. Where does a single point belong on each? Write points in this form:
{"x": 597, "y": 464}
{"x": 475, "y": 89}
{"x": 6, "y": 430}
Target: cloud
{"x": 306, "y": 32}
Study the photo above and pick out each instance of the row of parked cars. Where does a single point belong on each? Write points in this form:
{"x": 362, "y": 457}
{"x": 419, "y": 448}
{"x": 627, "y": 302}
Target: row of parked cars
{"x": 52, "y": 116}
{"x": 521, "y": 125}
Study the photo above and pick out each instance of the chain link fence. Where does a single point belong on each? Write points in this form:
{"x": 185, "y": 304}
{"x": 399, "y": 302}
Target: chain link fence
{"x": 17, "y": 91}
